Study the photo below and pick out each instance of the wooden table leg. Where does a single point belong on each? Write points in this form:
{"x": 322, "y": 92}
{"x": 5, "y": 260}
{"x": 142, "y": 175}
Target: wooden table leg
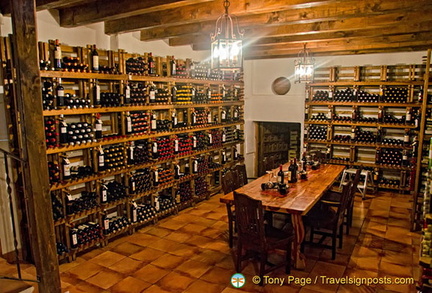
{"x": 298, "y": 257}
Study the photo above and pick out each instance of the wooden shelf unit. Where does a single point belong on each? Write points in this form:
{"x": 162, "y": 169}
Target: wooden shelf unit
{"x": 374, "y": 80}
{"x": 82, "y": 84}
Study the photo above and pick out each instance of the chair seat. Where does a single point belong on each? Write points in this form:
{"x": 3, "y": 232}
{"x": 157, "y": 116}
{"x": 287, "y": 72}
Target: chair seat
{"x": 334, "y": 196}
{"x": 274, "y": 234}
{"x": 323, "y": 217}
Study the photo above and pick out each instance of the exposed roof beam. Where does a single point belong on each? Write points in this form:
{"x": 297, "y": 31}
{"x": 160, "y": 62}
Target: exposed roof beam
{"x": 366, "y": 45}
{"x": 44, "y": 4}
{"x": 116, "y": 9}
{"x": 203, "y": 41}
{"x": 204, "y": 12}
{"x": 294, "y": 54}
{"x": 340, "y": 20}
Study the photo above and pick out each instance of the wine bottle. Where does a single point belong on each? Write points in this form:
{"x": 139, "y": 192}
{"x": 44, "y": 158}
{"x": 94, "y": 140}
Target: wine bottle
{"x": 293, "y": 172}
{"x": 127, "y": 94}
{"x": 185, "y": 118}
{"x": 304, "y": 160}
{"x": 104, "y": 193}
{"x": 176, "y": 171}
{"x": 57, "y": 55}
{"x": 174, "y": 94}
{"x": 60, "y": 94}
{"x": 101, "y": 159}
{"x": 98, "y": 127}
{"x": 236, "y": 113}
{"x": 406, "y": 139}
{"x": 408, "y": 116}
{"x": 235, "y": 154}
{"x": 173, "y": 66}
{"x": 152, "y": 93}
{"x": 128, "y": 123}
{"x": 63, "y": 130}
{"x": 66, "y": 168}
{"x": 74, "y": 237}
{"x": 153, "y": 122}
{"x": 280, "y": 175}
{"x": 224, "y": 157}
{"x": 174, "y": 119}
{"x": 95, "y": 59}
{"x": 151, "y": 64}
{"x": 195, "y": 166}
{"x": 97, "y": 93}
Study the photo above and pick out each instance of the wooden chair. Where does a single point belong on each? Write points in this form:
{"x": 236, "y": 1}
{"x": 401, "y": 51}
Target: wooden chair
{"x": 241, "y": 173}
{"x": 257, "y": 238}
{"x": 227, "y": 182}
{"x": 335, "y": 196}
{"x": 237, "y": 183}
{"x": 324, "y": 220}
{"x": 227, "y": 187}
{"x": 268, "y": 164}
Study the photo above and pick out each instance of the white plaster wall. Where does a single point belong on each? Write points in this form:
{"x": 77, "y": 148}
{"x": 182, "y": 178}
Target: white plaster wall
{"x": 261, "y": 104}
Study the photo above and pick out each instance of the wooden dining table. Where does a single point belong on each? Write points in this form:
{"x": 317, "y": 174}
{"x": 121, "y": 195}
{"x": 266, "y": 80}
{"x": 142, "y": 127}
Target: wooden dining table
{"x": 300, "y": 198}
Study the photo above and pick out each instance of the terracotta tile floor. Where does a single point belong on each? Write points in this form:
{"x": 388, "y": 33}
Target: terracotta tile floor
{"x": 188, "y": 252}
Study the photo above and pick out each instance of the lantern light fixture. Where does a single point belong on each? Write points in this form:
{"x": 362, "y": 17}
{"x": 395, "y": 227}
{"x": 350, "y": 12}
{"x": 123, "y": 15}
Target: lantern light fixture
{"x": 304, "y": 66}
{"x": 226, "y": 43}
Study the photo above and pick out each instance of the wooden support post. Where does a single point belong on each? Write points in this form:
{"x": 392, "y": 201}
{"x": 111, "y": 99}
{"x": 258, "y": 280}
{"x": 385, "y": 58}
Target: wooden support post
{"x": 36, "y": 183}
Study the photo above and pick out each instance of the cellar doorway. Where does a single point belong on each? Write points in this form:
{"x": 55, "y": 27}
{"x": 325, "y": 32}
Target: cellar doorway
{"x": 277, "y": 143}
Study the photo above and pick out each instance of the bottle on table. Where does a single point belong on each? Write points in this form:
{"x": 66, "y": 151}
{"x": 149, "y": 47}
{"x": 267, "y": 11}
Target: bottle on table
{"x": 293, "y": 170}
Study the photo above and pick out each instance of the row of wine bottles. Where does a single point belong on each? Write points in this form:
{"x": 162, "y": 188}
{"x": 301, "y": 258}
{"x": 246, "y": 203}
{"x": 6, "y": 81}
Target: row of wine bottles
{"x": 411, "y": 117}
{"x": 115, "y": 157}
{"x": 141, "y": 181}
{"x": 145, "y": 65}
{"x": 55, "y": 96}
{"x": 385, "y": 157}
{"x": 59, "y": 132}
{"x": 386, "y": 94}
{"x": 359, "y": 135}
{"x": 114, "y": 191}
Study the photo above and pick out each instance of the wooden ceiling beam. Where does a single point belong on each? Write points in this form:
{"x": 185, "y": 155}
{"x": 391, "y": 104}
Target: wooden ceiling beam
{"x": 117, "y": 9}
{"x": 203, "y": 41}
{"x": 366, "y": 45}
{"x": 376, "y": 21}
{"x": 294, "y": 54}
{"x": 205, "y": 12}
{"x": 256, "y": 29}
{"x": 358, "y": 33}
{"x": 44, "y": 4}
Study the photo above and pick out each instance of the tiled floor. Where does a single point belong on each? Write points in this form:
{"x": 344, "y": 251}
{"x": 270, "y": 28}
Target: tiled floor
{"x": 188, "y": 253}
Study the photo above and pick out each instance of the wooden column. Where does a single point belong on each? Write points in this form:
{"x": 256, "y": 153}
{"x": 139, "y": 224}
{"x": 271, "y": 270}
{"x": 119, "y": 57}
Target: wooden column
{"x": 36, "y": 183}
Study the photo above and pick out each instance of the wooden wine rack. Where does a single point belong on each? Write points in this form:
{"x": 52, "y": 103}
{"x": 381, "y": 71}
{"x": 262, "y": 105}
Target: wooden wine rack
{"x": 81, "y": 83}
{"x": 371, "y": 79}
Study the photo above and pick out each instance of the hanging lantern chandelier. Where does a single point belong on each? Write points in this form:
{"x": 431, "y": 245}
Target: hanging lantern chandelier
{"x": 304, "y": 66}
{"x": 226, "y": 46}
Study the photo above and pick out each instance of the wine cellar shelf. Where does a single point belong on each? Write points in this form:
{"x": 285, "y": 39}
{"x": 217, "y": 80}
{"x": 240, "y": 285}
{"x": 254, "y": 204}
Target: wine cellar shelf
{"x": 371, "y": 116}
{"x": 130, "y": 138}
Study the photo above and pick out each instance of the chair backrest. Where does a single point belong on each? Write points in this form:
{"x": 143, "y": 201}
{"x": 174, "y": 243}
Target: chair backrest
{"x": 268, "y": 163}
{"x": 241, "y": 173}
{"x": 236, "y": 179}
{"x": 344, "y": 201}
{"x": 227, "y": 182}
{"x": 249, "y": 220}
{"x": 356, "y": 179}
